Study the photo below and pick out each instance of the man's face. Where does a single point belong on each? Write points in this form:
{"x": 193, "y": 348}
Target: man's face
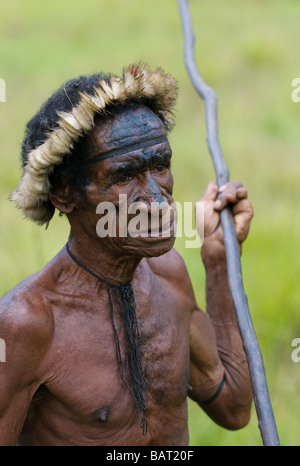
{"x": 130, "y": 158}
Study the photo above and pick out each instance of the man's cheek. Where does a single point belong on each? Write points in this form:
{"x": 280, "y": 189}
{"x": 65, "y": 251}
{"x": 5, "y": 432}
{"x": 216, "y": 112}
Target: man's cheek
{"x": 95, "y": 194}
{"x": 168, "y": 184}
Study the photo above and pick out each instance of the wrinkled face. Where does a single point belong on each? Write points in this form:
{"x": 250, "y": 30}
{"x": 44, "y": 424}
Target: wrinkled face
{"x": 128, "y": 202}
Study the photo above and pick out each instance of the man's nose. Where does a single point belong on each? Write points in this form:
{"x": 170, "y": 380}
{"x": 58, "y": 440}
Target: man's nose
{"x": 150, "y": 191}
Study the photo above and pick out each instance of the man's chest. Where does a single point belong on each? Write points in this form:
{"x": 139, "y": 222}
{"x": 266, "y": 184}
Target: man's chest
{"x": 84, "y": 372}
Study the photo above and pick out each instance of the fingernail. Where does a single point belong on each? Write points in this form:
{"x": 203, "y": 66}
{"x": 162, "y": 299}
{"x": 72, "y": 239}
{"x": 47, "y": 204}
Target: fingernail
{"x": 217, "y": 204}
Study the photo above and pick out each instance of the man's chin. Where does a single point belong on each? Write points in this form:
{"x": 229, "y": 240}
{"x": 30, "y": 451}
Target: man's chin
{"x": 150, "y": 246}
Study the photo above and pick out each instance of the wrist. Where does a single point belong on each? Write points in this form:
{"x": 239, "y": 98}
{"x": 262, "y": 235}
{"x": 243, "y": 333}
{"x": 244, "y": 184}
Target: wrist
{"x": 213, "y": 255}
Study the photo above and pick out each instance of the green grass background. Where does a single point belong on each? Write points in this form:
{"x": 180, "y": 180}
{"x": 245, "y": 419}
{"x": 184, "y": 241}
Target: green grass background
{"x": 248, "y": 52}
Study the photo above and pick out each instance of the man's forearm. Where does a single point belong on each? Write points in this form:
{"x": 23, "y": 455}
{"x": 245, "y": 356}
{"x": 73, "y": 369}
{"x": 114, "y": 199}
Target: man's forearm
{"x": 220, "y": 309}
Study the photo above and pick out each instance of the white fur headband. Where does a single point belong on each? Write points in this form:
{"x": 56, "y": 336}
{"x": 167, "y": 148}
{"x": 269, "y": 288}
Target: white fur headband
{"x": 138, "y": 82}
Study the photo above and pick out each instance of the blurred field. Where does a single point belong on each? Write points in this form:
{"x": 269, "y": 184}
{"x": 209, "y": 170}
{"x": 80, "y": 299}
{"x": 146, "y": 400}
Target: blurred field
{"x": 248, "y": 52}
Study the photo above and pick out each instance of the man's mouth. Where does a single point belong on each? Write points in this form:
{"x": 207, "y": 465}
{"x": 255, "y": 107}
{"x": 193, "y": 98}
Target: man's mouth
{"x": 162, "y": 227}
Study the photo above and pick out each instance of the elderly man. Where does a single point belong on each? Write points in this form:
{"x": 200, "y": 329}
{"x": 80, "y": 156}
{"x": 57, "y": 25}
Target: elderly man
{"x": 106, "y": 342}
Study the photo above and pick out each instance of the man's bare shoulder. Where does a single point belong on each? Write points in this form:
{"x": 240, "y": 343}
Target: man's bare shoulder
{"x": 168, "y": 263}
{"x": 25, "y": 312}
{"x": 171, "y": 266}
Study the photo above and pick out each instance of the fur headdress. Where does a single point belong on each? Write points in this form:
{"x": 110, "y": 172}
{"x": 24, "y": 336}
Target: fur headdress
{"x": 138, "y": 83}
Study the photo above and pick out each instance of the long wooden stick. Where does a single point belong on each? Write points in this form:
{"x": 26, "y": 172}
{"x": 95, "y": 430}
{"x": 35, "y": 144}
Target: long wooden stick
{"x": 263, "y": 406}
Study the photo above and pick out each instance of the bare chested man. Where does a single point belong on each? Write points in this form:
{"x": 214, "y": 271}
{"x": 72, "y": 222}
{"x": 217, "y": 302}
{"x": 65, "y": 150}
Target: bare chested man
{"x": 77, "y": 370}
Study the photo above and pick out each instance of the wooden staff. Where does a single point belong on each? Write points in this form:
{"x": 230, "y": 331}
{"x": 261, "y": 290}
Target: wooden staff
{"x": 266, "y": 421}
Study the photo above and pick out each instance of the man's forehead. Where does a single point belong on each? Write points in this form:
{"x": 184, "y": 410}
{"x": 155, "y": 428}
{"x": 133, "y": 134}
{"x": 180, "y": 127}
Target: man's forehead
{"x": 156, "y": 152}
{"x": 130, "y": 128}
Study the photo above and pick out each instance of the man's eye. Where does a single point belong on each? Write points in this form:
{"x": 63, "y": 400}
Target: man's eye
{"x": 160, "y": 167}
{"x": 124, "y": 178}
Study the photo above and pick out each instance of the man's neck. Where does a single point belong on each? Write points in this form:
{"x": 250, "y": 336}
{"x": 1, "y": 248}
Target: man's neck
{"x": 114, "y": 268}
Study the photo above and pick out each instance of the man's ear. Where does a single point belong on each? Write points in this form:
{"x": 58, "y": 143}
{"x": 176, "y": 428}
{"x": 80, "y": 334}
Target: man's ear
{"x": 62, "y": 198}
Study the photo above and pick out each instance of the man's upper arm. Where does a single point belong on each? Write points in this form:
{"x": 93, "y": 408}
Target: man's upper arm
{"x": 25, "y": 331}
{"x": 206, "y": 369}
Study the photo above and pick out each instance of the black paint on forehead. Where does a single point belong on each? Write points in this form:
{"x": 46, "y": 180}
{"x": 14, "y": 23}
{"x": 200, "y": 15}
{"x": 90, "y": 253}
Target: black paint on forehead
{"x": 130, "y": 123}
{"x": 126, "y": 150}
{"x": 126, "y": 129}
